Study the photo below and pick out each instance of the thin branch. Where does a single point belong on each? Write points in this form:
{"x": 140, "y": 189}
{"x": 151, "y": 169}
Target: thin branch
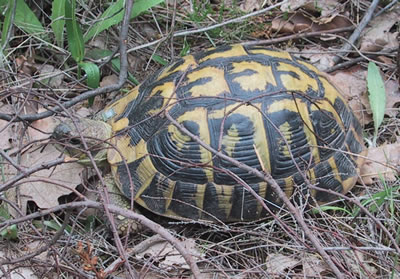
{"x": 356, "y": 34}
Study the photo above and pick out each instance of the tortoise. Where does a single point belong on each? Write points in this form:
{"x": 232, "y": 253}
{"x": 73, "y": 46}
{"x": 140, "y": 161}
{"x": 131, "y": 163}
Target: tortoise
{"x": 267, "y": 109}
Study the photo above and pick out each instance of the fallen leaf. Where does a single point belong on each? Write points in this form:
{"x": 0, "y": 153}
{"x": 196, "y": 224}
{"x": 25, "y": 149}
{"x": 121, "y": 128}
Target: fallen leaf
{"x": 392, "y": 98}
{"x": 250, "y": 5}
{"x": 109, "y": 80}
{"x": 313, "y": 266}
{"x": 383, "y": 162}
{"x": 378, "y": 36}
{"x": 360, "y": 265}
{"x": 277, "y": 264}
{"x": 167, "y": 256}
{"x": 41, "y": 187}
{"x": 353, "y": 86}
{"x": 7, "y": 130}
{"x": 51, "y": 76}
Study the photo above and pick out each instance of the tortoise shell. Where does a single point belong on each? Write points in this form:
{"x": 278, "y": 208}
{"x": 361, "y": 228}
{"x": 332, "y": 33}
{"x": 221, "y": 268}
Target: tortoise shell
{"x": 264, "y": 108}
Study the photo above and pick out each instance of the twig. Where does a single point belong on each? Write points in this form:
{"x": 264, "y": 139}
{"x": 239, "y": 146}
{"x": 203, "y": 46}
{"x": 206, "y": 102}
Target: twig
{"x": 268, "y": 178}
{"x": 27, "y": 172}
{"x": 298, "y": 36}
{"x": 367, "y": 17}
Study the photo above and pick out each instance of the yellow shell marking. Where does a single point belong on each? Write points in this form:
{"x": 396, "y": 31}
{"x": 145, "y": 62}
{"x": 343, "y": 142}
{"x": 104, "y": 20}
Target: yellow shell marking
{"x": 332, "y": 164}
{"x": 198, "y": 115}
{"x": 216, "y": 86}
{"x": 272, "y": 53}
{"x": 119, "y": 106}
{"x": 237, "y": 50}
{"x": 189, "y": 61}
{"x": 259, "y": 136}
{"x": 255, "y": 81}
{"x": 224, "y": 194}
{"x": 230, "y": 139}
{"x": 122, "y": 146}
{"x": 284, "y": 145}
{"x": 262, "y": 192}
{"x": 302, "y": 83}
{"x": 327, "y": 106}
{"x": 145, "y": 172}
{"x": 289, "y": 186}
{"x": 168, "y": 95}
{"x": 299, "y": 107}
{"x": 308, "y": 65}
{"x": 329, "y": 90}
{"x": 120, "y": 124}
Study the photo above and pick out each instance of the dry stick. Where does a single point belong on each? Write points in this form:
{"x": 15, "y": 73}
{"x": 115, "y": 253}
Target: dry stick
{"x": 367, "y": 17}
{"x": 298, "y": 36}
{"x": 119, "y": 211}
{"x": 268, "y": 178}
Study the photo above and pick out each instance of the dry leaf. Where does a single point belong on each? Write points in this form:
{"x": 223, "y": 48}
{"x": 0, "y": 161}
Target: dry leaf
{"x": 250, "y": 5}
{"x": 168, "y": 256}
{"x": 109, "y": 80}
{"x": 7, "y": 131}
{"x": 383, "y": 162}
{"x": 313, "y": 266}
{"x": 352, "y": 84}
{"x": 277, "y": 264}
{"x": 392, "y": 98}
{"x": 378, "y": 36}
{"x": 51, "y": 76}
{"x": 359, "y": 265}
{"x": 46, "y": 194}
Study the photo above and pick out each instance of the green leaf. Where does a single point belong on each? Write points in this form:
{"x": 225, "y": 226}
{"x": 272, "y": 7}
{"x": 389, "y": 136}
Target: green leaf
{"x": 102, "y": 53}
{"x": 7, "y": 23}
{"x": 25, "y": 19}
{"x": 329, "y": 207}
{"x": 58, "y": 21}
{"x": 115, "y": 13}
{"x": 10, "y": 232}
{"x": 93, "y": 74}
{"x": 159, "y": 59}
{"x": 74, "y": 33}
{"x": 377, "y": 95}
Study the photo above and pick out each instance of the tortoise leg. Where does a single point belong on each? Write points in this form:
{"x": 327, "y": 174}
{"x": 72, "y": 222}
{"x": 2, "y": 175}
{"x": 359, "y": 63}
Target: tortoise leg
{"x": 116, "y": 198}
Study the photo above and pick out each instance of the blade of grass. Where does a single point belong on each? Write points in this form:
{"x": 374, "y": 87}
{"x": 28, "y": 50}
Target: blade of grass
{"x": 74, "y": 33}
{"x": 102, "y": 53}
{"x": 114, "y": 14}
{"x": 58, "y": 21}
{"x": 7, "y": 23}
{"x": 376, "y": 95}
{"x": 26, "y": 20}
{"x": 92, "y": 73}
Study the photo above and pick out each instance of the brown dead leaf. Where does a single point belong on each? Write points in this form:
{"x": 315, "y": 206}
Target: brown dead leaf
{"x": 277, "y": 263}
{"x": 383, "y": 162}
{"x": 313, "y": 266}
{"x": 41, "y": 187}
{"x": 360, "y": 265}
{"x": 392, "y": 98}
{"x": 353, "y": 86}
{"x": 378, "y": 36}
{"x": 300, "y": 22}
{"x": 250, "y": 5}
{"x": 167, "y": 256}
{"x": 109, "y": 80}
{"x": 7, "y": 130}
